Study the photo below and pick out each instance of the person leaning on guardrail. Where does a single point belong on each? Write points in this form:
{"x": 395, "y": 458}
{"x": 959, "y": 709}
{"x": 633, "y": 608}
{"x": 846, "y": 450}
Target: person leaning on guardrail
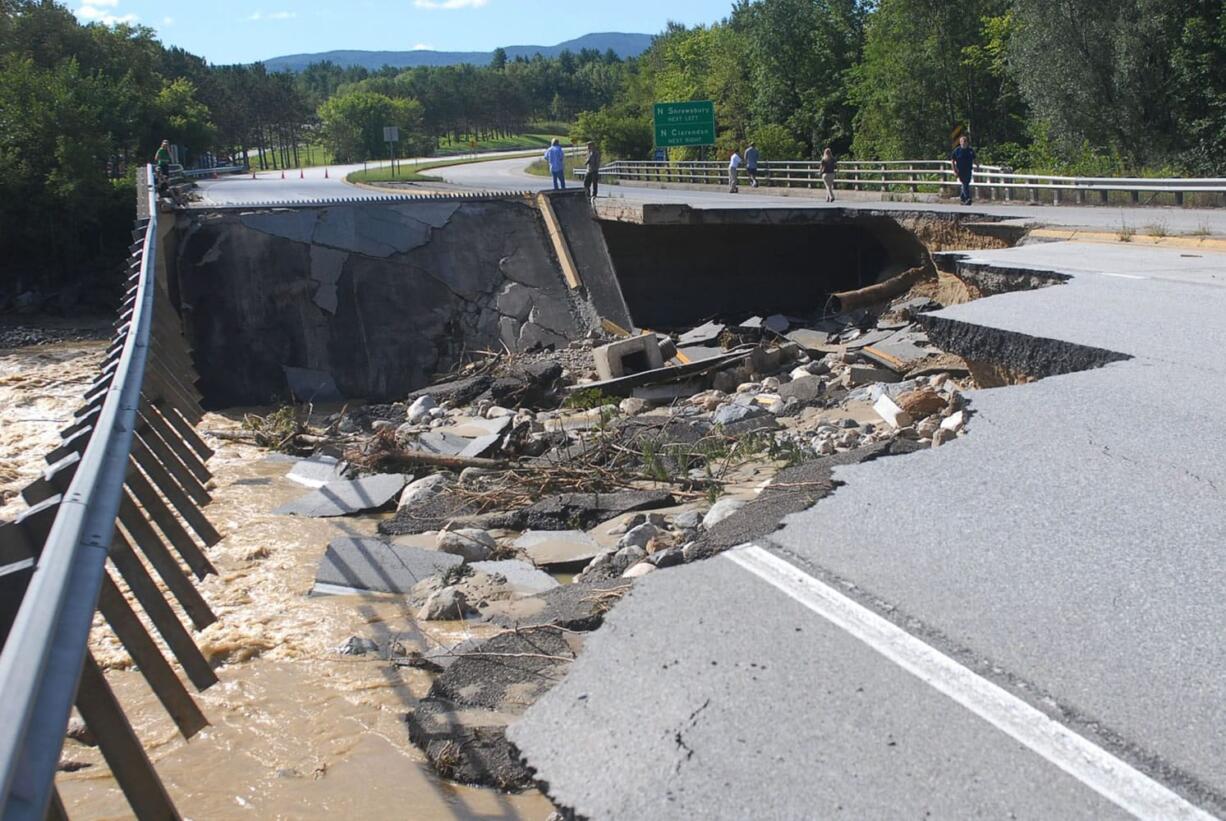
{"x": 751, "y": 165}
{"x": 591, "y": 177}
{"x": 962, "y": 159}
{"x": 829, "y": 165}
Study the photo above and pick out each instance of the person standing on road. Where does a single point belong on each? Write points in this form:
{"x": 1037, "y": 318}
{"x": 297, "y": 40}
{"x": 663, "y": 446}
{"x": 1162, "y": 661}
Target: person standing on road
{"x": 591, "y": 174}
{"x": 734, "y": 165}
{"x": 163, "y": 158}
{"x": 751, "y": 165}
{"x": 556, "y": 158}
{"x": 829, "y": 166}
{"x": 962, "y": 159}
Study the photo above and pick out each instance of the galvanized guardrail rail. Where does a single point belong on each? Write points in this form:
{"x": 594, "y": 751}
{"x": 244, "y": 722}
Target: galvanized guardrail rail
{"x": 126, "y": 485}
{"x": 910, "y": 176}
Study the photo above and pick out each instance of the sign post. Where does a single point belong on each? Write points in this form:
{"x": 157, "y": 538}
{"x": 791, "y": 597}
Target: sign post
{"x": 684, "y": 124}
{"x": 391, "y": 136}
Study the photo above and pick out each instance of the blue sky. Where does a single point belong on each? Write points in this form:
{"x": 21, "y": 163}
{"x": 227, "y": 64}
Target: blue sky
{"x": 229, "y": 31}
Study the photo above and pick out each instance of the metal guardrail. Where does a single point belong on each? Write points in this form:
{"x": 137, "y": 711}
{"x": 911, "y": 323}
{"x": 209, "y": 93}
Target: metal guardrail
{"x": 210, "y": 172}
{"x": 128, "y": 480}
{"x": 990, "y": 182}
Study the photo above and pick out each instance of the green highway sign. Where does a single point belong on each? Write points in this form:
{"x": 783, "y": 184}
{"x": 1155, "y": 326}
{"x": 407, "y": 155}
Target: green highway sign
{"x": 678, "y": 124}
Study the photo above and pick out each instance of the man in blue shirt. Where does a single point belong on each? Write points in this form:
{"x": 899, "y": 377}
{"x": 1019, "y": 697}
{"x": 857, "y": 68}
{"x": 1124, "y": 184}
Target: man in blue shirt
{"x": 751, "y": 164}
{"x": 557, "y": 164}
{"x": 962, "y": 159}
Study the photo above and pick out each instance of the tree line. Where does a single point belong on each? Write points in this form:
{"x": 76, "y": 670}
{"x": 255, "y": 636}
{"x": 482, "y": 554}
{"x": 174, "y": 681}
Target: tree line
{"x": 1076, "y": 86}
{"x": 83, "y": 107}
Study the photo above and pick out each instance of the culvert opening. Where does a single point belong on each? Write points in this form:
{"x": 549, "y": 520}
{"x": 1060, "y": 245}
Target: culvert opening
{"x": 678, "y": 275}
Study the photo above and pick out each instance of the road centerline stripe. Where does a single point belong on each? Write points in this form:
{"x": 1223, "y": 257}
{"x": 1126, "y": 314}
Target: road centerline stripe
{"x": 1109, "y": 776}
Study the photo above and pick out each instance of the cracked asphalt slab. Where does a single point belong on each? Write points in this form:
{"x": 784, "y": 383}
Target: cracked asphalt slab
{"x": 712, "y": 720}
{"x": 1067, "y": 549}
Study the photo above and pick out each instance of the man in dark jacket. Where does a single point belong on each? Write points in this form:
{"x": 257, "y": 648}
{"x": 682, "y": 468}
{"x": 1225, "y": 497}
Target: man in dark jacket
{"x": 591, "y": 177}
{"x": 962, "y": 159}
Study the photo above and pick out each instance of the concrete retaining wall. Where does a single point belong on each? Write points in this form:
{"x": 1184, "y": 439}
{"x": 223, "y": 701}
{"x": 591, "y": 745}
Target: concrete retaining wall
{"x": 378, "y": 297}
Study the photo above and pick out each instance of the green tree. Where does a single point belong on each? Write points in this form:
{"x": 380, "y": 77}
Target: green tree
{"x": 179, "y": 117}
{"x": 799, "y": 55}
{"x": 932, "y": 70}
{"x": 353, "y": 124}
{"x": 1099, "y": 72}
{"x": 620, "y": 133}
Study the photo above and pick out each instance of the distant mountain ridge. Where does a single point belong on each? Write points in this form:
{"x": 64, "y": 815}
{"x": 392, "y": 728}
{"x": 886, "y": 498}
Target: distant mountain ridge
{"x": 624, "y": 45}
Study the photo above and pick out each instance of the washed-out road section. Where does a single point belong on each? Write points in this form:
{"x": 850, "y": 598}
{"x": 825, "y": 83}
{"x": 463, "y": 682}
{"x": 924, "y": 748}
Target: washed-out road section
{"x": 1066, "y": 551}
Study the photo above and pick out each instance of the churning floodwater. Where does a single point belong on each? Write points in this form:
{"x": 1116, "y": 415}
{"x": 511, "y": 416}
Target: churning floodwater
{"x": 297, "y": 730}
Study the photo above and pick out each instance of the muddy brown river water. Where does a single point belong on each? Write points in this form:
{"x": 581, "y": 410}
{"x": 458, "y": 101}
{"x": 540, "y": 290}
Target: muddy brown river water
{"x": 297, "y": 730}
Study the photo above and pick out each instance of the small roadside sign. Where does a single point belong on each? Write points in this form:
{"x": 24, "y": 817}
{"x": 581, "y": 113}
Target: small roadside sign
{"x": 391, "y": 134}
{"x": 683, "y": 124}
{"x": 661, "y": 154}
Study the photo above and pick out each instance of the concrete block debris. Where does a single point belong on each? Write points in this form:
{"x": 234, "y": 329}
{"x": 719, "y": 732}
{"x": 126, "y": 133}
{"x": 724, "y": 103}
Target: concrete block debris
{"x": 895, "y": 416}
{"x": 628, "y": 356}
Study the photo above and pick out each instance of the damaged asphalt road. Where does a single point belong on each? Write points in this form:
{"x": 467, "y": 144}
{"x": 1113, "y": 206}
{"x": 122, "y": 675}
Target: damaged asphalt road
{"x": 1067, "y": 552}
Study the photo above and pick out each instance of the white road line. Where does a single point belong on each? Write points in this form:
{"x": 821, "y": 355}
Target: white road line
{"x": 1121, "y": 276}
{"x": 1102, "y": 772}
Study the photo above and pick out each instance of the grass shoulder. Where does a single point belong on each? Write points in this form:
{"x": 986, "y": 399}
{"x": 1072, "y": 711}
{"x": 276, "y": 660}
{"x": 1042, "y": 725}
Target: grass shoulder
{"x": 541, "y": 168}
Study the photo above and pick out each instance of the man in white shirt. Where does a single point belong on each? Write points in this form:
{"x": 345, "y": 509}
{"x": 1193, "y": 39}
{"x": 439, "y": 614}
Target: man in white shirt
{"x": 734, "y": 165}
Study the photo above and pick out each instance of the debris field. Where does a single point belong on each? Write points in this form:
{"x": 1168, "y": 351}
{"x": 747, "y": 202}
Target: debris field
{"x": 530, "y": 491}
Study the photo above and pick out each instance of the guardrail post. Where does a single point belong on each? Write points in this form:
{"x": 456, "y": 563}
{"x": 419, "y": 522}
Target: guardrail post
{"x": 1179, "y": 198}
{"x": 1135, "y": 195}
{"x": 1103, "y": 196}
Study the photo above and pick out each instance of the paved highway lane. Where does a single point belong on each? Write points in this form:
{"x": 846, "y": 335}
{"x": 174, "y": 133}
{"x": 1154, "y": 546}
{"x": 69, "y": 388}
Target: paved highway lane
{"x": 509, "y": 175}
{"x": 311, "y": 184}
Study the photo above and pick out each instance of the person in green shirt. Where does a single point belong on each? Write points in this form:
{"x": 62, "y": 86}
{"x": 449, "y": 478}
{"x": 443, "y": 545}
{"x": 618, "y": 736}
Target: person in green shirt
{"x": 163, "y": 159}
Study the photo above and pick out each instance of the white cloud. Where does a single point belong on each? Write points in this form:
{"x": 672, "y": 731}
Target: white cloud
{"x": 94, "y": 11}
{"x": 449, "y": 4}
{"x": 168, "y": 21}
{"x": 273, "y": 15}
{"x": 422, "y": 47}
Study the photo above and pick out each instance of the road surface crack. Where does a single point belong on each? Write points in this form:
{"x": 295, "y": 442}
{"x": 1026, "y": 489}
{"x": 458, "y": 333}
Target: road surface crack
{"x": 679, "y": 736}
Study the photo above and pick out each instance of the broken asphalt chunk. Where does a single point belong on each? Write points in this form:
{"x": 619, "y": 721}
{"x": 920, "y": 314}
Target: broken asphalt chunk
{"x": 566, "y": 510}
{"x": 522, "y": 577}
{"x": 579, "y": 606}
{"x": 368, "y": 565}
{"x": 344, "y": 498}
{"x": 317, "y": 471}
{"x": 551, "y": 548}
{"x": 702, "y": 335}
